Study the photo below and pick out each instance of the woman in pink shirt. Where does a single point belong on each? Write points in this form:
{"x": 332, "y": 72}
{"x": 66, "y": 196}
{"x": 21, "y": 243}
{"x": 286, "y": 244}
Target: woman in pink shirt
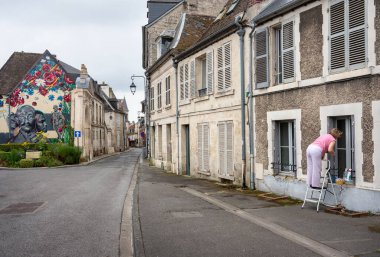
{"x": 315, "y": 154}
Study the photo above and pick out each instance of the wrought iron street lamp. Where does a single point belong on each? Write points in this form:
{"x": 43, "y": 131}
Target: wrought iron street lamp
{"x": 133, "y": 90}
{"x": 133, "y": 87}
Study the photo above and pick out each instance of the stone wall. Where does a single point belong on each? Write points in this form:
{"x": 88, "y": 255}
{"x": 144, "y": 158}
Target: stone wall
{"x": 311, "y": 22}
{"x": 377, "y": 27}
{"x": 309, "y": 100}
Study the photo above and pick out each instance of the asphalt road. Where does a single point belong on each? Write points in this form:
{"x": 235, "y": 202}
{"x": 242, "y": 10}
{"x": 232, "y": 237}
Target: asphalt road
{"x": 80, "y": 214}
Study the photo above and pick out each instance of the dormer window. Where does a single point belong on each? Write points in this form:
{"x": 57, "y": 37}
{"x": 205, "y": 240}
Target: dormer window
{"x": 232, "y": 6}
{"x": 163, "y": 42}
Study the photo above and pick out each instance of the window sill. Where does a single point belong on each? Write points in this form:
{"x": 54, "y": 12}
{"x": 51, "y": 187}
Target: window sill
{"x": 167, "y": 107}
{"x": 207, "y": 173}
{"x": 225, "y": 93}
{"x": 202, "y": 98}
{"x": 184, "y": 102}
{"x": 152, "y": 112}
{"x": 228, "y": 177}
{"x": 159, "y": 110}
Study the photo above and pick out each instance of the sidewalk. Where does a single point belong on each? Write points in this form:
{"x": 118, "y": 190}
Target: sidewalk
{"x": 181, "y": 216}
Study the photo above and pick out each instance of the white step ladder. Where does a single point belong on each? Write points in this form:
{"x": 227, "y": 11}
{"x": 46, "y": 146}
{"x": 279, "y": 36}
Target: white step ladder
{"x": 322, "y": 190}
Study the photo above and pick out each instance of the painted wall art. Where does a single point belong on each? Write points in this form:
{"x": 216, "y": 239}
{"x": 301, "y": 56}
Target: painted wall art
{"x": 40, "y": 104}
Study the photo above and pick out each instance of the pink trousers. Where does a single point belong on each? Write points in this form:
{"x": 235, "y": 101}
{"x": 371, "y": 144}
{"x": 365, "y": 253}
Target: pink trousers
{"x": 314, "y": 165}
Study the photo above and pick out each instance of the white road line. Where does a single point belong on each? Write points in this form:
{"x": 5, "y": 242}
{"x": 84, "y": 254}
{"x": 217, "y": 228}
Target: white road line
{"x": 306, "y": 242}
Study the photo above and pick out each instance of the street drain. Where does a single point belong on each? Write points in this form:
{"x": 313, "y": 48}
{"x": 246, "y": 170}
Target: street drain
{"x": 21, "y": 208}
{"x": 187, "y": 214}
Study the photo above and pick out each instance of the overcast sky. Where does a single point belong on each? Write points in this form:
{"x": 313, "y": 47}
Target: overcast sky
{"x": 105, "y": 35}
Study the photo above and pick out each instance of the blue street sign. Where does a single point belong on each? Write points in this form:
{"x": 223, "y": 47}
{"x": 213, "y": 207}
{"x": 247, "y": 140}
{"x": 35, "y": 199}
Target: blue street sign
{"x": 77, "y": 133}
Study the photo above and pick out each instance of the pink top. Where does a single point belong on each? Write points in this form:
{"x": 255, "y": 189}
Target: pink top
{"x": 323, "y": 142}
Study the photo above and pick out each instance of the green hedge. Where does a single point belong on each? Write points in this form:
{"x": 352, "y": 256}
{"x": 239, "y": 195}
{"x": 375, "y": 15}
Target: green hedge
{"x": 29, "y": 146}
{"x": 26, "y": 163}
{"x": 52, "y": 154}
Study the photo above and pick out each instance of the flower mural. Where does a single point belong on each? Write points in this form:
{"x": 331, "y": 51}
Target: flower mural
{"x": 47, "y": 87}
{"x": 45, "y": 78}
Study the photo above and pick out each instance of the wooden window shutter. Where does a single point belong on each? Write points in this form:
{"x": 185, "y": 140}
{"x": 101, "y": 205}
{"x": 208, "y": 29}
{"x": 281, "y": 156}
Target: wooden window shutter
{"x": 227, "y": 66}
{"x": 229, "y": 149}
{"x": 261, "y": 46}
{"x": 357, "y": 33}
{"x": 288, "y": 52}
{"x": 220, "y": 68}
{"x": 192, "y": 78}
{"x": 222, "y": 148}
{"x": 200, "y": 148}
{"x": 181, "y": 83}
{"x": 210, "y": 69}
{"x": 276, "y": 148}
{"x": 206, "y": 158}
{"x": 186, "y": 88}
{"x": 337, "y": 37}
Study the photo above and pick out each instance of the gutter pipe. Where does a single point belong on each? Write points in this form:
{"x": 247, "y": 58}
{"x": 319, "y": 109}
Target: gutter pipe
{"x": 241, "y": 33}
{"x": 251, "y": 141}
{"x": 175, "y": 65}
{"x": 147, "y": 117}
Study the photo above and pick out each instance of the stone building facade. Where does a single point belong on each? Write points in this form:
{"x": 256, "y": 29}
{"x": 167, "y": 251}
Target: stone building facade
{"x": 325, "y": 90}
{"x": 307, "y": 76}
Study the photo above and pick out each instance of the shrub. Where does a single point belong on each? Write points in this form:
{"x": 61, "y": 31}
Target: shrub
{"x": 39, "y": 163}
{"x": 4, "y": 156}
{"x": 66, "y": 153}
{"x": 26, "y": 163}
{"x": 47, "y": 153}
{"x": 49, "y": 161}
{"x": 15, "y": 156}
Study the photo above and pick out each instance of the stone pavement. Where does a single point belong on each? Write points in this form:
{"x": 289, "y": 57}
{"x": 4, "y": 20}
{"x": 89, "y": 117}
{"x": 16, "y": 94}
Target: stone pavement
{"x": 182, "y": 216}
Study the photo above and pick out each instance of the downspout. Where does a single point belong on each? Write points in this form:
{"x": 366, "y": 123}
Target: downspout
{"x": 175, "y": 65}
{"x": 147, "y": 115}
{"x": 9, "y": 117}
{"x": 251, "y": 141}
{"x": 241, "y": 33}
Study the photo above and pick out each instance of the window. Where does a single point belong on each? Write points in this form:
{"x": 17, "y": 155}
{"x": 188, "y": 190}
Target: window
{"x": 224, "y": 67}
{"x": 187, "y": 80}
{"x": 204, "y": 66}
{"x": 203, "y": 147}
{"x": 344, "y": 147}
{"x": 232, "y": 6}
{"x": 167, "y": 87}
{"x": 284, "y": 147}
{"x": 159, "y": 102}
{"x": 152, "y": 98}
{"x": 348, "y": 33}
{"x": 225, "y": 136}
{"x": 283, "y": 62}
{"x": 163, "y": 44}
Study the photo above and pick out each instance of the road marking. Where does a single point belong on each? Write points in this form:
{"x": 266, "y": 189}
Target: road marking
{"x": 306, "y": 242}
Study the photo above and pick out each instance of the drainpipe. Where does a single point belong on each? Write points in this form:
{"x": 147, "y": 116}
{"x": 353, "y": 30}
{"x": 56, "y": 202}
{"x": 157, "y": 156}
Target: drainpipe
{"x": 251, "y": 141}
{"x": 241, "y": 33}
{"x": 175, "y": 65}
{"x": 147, "y": 117}
{"x": 9, "y": 117}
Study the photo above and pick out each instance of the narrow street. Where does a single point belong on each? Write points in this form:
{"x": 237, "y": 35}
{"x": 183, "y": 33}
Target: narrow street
{"x": 80, "y": 212}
